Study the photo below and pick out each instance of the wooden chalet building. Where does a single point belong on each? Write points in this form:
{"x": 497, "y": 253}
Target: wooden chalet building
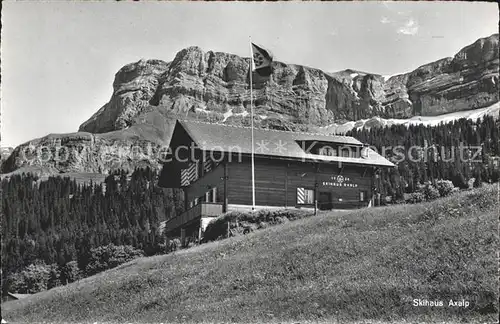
{"x": 212, "y": 164}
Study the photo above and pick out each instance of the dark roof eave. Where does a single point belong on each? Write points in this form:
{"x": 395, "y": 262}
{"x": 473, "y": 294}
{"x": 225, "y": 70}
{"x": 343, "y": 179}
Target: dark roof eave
{"x": 335, "y": 142}
{"x": 292, "y": 158}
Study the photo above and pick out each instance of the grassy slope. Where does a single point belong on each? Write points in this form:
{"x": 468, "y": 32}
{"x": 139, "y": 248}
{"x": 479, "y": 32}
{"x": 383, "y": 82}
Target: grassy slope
{"x": 368, "y": 264}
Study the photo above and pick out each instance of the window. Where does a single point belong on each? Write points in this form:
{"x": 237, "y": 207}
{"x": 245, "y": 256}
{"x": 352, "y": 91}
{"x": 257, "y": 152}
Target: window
{"x": 364, "y": 152}
{"x": 362, "y": 196}
{"x": 305, "y": 196}
{"x": 207, "y": 166}
{"x": 189, "y": 174}
{"x": 327, "y": 150}
{"x": 214, "y": 195}
{"x": 211, "y": 195}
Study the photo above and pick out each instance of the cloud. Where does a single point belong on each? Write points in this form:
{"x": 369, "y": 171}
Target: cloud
{"x": 409, "y": 28}
{"x": 385, "y": 20}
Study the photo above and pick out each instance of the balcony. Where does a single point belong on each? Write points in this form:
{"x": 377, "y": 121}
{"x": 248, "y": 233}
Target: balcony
{"x": 195, "y": 213}
{"x": 210, "y": 179}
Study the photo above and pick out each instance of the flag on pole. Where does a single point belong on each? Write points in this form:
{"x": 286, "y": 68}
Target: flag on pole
{"x": 262, "y": 61}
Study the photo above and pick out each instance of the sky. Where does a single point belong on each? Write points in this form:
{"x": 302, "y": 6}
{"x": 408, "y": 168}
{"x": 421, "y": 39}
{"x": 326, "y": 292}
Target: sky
{"x": 58, "y": 59}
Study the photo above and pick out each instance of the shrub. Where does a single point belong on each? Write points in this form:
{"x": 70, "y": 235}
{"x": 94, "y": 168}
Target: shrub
{"x": 445, "y": 187}
{"x": 54, "y": 276}
{"x": 238, "y": 109}
{"x": 109, "y": 256}
{"x": 70, "y": 272}
{"x": 477, "y": 181}
{"x": 282, "y": 220}
{"x": 244, "y": 222}
{"x": 170, "y": 245}
{"x": 262, "y": 225}
{"x": 429, "y": 191}
{"x": 415, "y": 197}
{"x": 34, "y": 278}
{"x": 495, "y": 175}
{"x": 218, "y": 227}
{"x": 460, "y": 181}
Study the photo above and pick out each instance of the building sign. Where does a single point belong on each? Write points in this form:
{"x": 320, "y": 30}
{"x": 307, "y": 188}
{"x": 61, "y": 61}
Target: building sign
{"x": 339, "y": 181}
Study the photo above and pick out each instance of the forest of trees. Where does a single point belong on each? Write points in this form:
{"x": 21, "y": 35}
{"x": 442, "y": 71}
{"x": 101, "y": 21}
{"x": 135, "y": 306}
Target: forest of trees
{"x": 59, "y": 230}
{"x": 458, "y": 151}
{"x": 58, "y": 222}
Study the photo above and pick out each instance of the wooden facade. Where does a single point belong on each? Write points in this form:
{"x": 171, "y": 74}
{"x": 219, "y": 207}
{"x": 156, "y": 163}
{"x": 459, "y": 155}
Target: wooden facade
{"x": 277, "y": 183}
{"x": 342, "y": 180}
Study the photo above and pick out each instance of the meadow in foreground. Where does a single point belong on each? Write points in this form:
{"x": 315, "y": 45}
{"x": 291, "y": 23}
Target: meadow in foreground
{"x": 368, "y": 264}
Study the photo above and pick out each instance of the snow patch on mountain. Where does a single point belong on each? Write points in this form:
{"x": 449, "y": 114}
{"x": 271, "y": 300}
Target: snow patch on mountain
{"x": 245, "y": 113}
{"x": 475, "y": 114}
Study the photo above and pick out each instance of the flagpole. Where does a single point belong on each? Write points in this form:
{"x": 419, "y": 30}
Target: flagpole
{"x": 251, "y": 124}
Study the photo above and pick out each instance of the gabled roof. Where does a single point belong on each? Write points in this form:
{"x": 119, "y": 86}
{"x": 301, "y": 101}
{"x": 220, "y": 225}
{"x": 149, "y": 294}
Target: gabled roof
{"x": 269, "y": 142}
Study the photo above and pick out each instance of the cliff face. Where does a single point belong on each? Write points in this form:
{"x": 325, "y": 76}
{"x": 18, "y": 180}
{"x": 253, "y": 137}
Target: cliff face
{"x": 133, "y": 88}
{"x": 212, "y": 86}
{"x": 469, "y": 80}
{"x": 215, "y": 87}
{"x": 354, "y": 95}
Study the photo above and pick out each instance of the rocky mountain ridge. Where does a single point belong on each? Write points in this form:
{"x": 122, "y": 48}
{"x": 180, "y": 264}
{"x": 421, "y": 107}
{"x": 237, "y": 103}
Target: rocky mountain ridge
{"x": 216, "y": 85}
{"x": 149, "y": 94}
